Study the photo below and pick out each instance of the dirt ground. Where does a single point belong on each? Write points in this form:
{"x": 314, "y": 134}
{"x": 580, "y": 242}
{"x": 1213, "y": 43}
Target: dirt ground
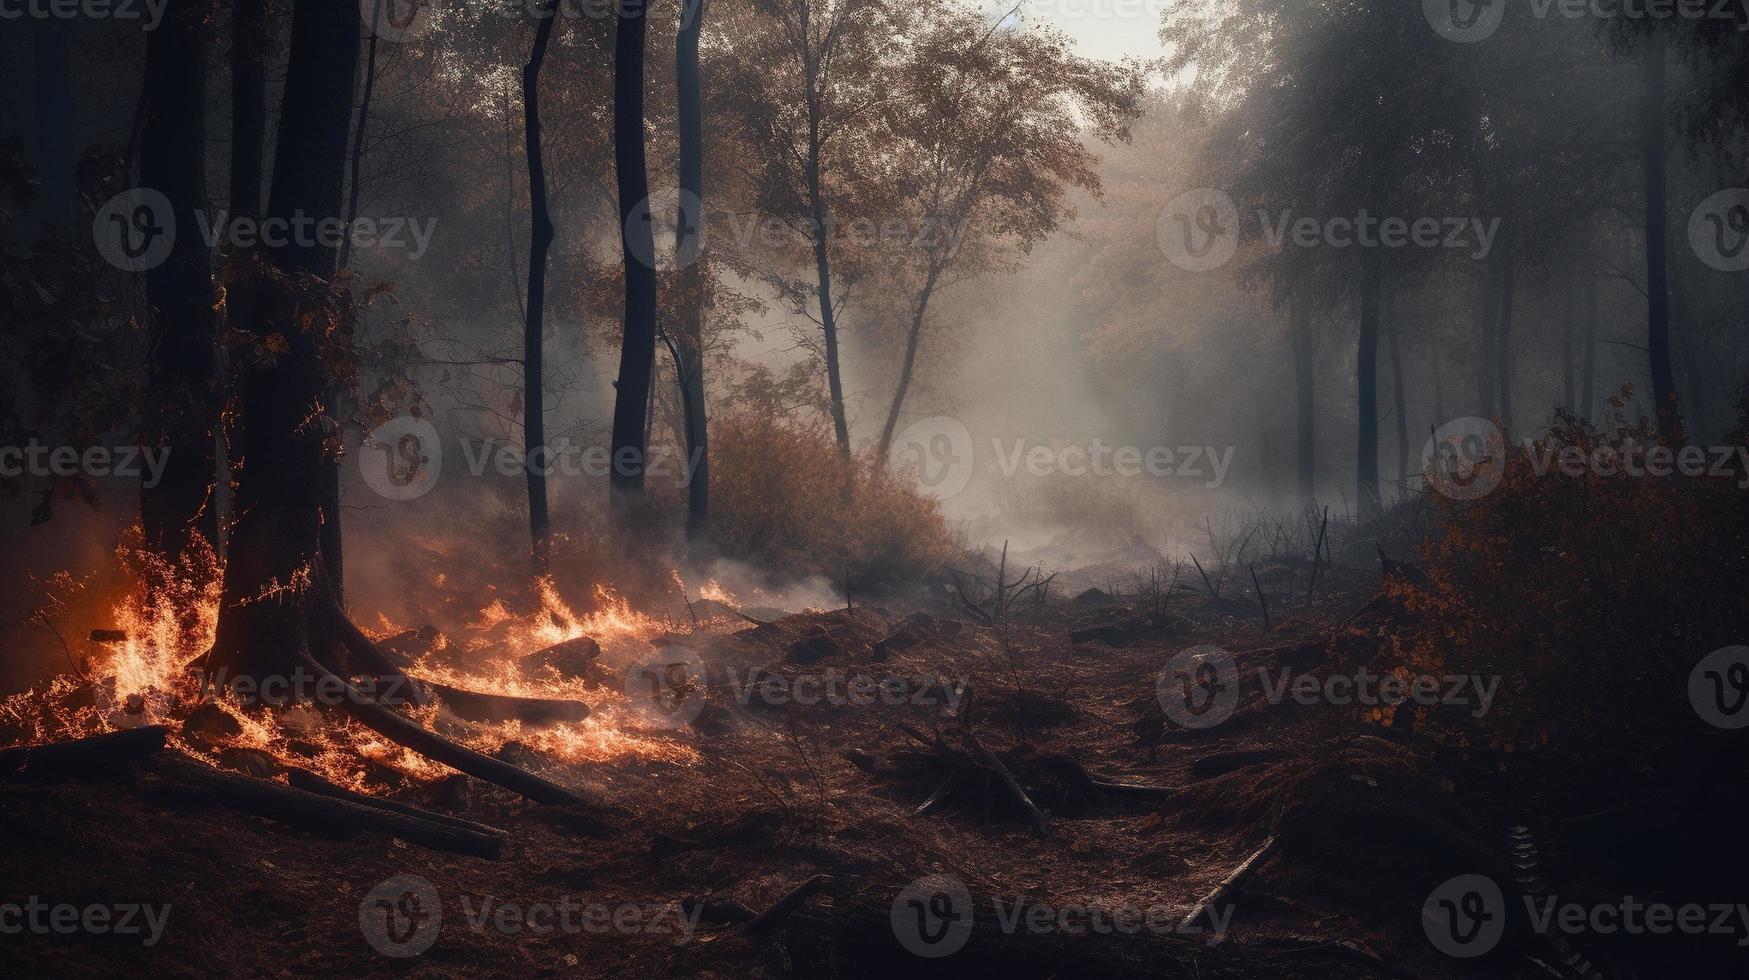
{"x": 659, "y": 874}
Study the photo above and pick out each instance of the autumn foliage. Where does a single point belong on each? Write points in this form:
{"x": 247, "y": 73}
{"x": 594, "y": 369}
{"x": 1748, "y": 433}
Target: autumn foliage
{"x": 783, "y": 499}
{"x": 1591, "y": 597}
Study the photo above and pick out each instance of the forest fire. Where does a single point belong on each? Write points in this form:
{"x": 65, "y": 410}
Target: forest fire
{"x": 145, "y": 668}
{"x": 852, "y": 488}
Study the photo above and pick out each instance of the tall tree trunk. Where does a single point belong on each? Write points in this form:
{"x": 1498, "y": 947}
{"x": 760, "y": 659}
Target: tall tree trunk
{"x": 1305, "y": 377}
{"x": 1367, "y": 395}
{"x": 357, "y": 166}
{"x": 1487, "y": 369}
{"x": 638, "y": 248}
{"x": 1400, "y": 404}
{"x": 1657, "y": 240}
{"x": 276, "y": 580}
{"x": 534, "y": 432}
{"x": 811, "y": 82}
{"x": 1503, "y": 330}
{"x": 689, "y": 86}
{"x": 250, "y": 32}
{"x": 1569, "y": 282}
{"x": 181, "y": 409}
{"x": 828, "y": 319}
{"x": 57, "y": 205}
{"x": 1588, "y": 378}
{"x": 908, "y": 365}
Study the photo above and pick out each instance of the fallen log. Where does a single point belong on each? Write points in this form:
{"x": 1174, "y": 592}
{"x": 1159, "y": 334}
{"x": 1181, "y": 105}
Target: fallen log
{"x": 787, "y": 904}
{"x": 325, "y": 814}
{"x": 1135, "y": 790}
{"x": 309, "y": 782}
{"x": 569, "y": 658}
{"x": 1222, "y": 763}
{"x": 495, "y": 708}
{"x": 987, "y": 759}
{"x": 106, "y": 751}
{"x": 406, "y": 732}
{"x": 369, "y": 658}
{"x": 941, "y": 794}
{"x": 1231, "y": 882}
{"x": 752, "y": 828}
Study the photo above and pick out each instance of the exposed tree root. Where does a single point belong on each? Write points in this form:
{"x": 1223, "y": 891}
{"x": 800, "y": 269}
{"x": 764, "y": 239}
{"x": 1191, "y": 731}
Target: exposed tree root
{"x": 787, "y": 904}
{"x": 1231, "y": 882}
{"x": 309, "y": 782}
{"x": 404, "y": 731}
{"x": 494, "y": 708}
{"x": 99, "y": 752}
{"x": 325, "y": 814}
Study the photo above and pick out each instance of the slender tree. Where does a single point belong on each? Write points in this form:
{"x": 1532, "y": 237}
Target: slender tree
{"x": 1655, "y": 153}
{"x": 637, "y": 254}
{"x": 181, "y": 408}
{"x": 534, "y": 436}
{"x": 688, "y": 252}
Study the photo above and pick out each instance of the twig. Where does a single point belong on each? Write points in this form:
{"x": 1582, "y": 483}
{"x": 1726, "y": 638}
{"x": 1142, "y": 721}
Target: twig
{"x": 1262, "y": 599}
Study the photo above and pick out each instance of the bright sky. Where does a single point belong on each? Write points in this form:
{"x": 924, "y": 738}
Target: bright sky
{"x": 1108, "y": 29}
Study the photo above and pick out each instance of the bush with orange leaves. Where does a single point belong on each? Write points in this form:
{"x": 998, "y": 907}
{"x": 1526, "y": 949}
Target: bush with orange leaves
{"x": 1591, "y": 597}
{"x": 783, "y": 499}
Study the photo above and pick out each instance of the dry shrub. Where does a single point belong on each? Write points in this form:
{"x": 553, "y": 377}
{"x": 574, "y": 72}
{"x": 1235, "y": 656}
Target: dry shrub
{"x": 782, "y": 499}
{"x": 1591, "y": 597}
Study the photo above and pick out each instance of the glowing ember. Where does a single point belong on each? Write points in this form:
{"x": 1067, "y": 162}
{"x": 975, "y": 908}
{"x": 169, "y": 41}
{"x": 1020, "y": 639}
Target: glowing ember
{"x": 140, "y": 677}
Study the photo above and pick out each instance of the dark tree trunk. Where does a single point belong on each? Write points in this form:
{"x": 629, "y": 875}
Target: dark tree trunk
{"x": 1305, "y": 377}
{"x": 57, "y": 206}
{"x": 357, "y": 166}
{"x": 534, "y": 433}
{"x": 1569, "y": 283}
{"x": 1588, "y": 379}
{"x": 690, "y": 118}
{"x": 1367, "y": 395}
{"x": 180, "y": 409}
{"x": 1503, "y": 330}
{"x": 1400, "y": 403}
{"x": 812, "y": 84}
{"x": 909, "y": 365}
{"x": 276, "y": 581}
{"x": 1664, "y": 402}
{"x": 638, "y": 250}
{"x": 250, "y": 32}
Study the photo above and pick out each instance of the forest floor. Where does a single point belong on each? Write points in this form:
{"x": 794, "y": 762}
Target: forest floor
{"x": 652, "y": 877}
